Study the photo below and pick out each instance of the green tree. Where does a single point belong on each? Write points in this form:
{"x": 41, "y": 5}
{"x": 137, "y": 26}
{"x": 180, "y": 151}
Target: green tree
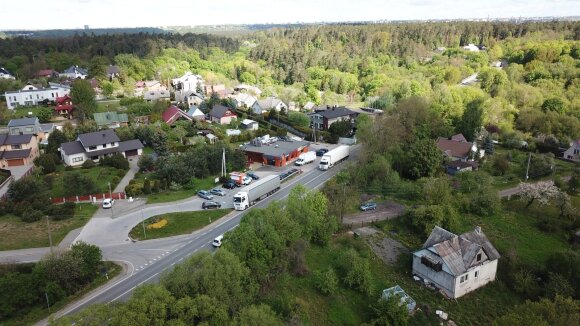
{"x": 326, "y": 281}
{"x": 83, "y": 96}
{"x": 146, "y": 163}
{"x": 338, "y": 129}
{"x": 90, "y": 257}
{"x": 55, "y": 139}
{"x": 98, "y": 67}
{"x": 423, "y": 159}
{"x": 390, "y": 312}
{"x": 44, "y": 115}
{"x": 47, "y": 162}
{"x": 299, "y": 119}
{"x": 358, "y": 274}
{"x": 472, "y": 120}
{"x": 257, "y": 315}
{"x": 554, "y": 104}
{"x": 76, "y": 184}
{"x": 558, "y": 312}
{"x": 149, "y": 305}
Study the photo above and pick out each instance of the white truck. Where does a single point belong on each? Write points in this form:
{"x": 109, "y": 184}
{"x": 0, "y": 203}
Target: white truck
{"x": 333, "y": 157}
{"x": 306, "y": 158}
{"x": 262, "y": 188}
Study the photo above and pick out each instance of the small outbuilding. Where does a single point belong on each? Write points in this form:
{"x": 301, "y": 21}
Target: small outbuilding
{"x": 278, "y": 153}
{"x": 404, "y": 298}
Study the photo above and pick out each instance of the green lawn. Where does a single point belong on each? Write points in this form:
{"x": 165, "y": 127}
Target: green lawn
{"x": 15, "y": 234}
{"x": 178, "y": 223}
{"x": 101, "y": 175}
{"x": 40, "y": 312}
{"x": 168, "y": 196}
{"x": 107, "y": 105}
{"x": 22, "y": 112}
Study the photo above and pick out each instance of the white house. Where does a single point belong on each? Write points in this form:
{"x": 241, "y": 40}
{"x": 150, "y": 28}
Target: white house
{"x": 4, "y": 74}
{"x": 573, "y": 153}
{"x": 250, "y": 124}
{"x": 189, "y": 98}
{"x": 248, "y": 88}
{"x": 244, "y": 100}
{"x": 471, "y": 47}
{"x": 156, "y": 95}
{"x": 98, "y": 144}
{"x": 268, "y": 104}
{"x": 148, "y": 85}
{"x": 31, "y": 95}
{"x": 195, "y": 113}
{"x": 456, "y": 264}
{"x": 75, "y": 72}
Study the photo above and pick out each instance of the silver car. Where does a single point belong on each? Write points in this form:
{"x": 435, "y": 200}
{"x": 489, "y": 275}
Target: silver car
{"x": 218, "y": 192}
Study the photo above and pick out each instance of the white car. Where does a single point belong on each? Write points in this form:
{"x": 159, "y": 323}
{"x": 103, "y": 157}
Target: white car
{"x": 247, "y": 180}
{"x": 108, "y": 203}
{"x": 217, "y": 242}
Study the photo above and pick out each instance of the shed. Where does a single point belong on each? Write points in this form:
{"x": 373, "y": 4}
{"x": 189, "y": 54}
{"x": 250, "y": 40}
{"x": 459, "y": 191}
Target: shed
{"x": 404, "y": 297}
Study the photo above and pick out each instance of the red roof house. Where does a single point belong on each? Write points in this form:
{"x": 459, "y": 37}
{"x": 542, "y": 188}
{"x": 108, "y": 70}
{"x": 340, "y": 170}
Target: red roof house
{"x": 173, "y": 113}
{"x": 47, "y": 73}
{"x": 64, "y": 105}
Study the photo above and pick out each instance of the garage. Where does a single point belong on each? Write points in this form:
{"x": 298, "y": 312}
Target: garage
{"x": 16, "y": 162}
{"x": 132, "y": 152}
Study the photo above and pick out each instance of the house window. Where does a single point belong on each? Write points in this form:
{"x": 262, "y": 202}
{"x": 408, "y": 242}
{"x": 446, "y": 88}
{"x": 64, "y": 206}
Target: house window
{"x": 92, "y": 148}
{"x": 28, "y": 129}
{"x": 112, "y": 144}
{"x": 479, "y": 257}
{"x": 77, "y": 159}
{"x": 464, "y": 278}
{"x": 476, "y": 274}
{"x": 104, "y": 145}
{"x": 576, "y": 151}
{"x": 16, "y": 147}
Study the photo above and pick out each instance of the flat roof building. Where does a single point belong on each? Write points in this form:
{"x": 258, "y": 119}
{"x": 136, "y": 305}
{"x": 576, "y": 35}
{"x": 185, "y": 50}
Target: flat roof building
{"x": 278, "y": 153}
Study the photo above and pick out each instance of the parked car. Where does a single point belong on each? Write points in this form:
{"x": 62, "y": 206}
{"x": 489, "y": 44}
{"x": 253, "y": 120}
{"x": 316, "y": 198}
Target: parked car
{"x": 217, "y": 242}
{"x": 253, "y": 175}
{"x": 218, "y": 192}
{"x": 368, "y": 206}
{"x": 205, "y": 194}
{"x": 210, "y": 204}
{"x": 321, "y": 151}
{"x": 246, "y": 180}
{"x": 108, "y": 203}
{"x": 230, "y": 184}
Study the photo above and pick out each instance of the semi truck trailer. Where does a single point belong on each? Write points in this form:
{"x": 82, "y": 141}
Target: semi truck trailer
{"x": 258, "y": 190}
{"x": 333, "y": 157}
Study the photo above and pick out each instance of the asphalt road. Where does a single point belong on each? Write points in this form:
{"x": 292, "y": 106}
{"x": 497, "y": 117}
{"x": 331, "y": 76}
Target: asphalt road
{"x": 161, "y": 255}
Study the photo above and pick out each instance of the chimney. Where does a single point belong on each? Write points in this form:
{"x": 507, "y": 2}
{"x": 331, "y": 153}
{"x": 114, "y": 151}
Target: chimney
{"x": 478, "y": 229}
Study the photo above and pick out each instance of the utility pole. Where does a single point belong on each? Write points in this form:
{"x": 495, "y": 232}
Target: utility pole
{"x": 143, "y": 224}
{"x": 49, "y": 235}
{"x": 47, "y": 301}
{"x": 224, "y": 170}
{"x": 528, "y": 168}
{"x": 110, "y": 193}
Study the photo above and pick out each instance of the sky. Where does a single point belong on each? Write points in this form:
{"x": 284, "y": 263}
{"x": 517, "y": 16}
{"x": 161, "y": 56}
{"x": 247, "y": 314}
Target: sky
{"x": 66, "y": 14}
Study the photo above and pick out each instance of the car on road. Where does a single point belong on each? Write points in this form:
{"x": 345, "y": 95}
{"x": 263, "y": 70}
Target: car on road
{"x": 210, "y": 204}
{"x": 205, "y": 194}
{"x": 230, "y": 184}
{"x": 246, "y": 180}
{"x": 253, "y": 175}
{"x": 217, "y": 242}
{"x": 370, "y": 206}
{"x": 218, "y": 192}
{"x": 108, "y": 203}
{"x": 321, "y": 151}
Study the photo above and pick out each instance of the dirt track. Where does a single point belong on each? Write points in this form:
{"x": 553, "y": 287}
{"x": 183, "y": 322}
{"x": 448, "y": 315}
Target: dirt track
{"x": 384, "y": 211}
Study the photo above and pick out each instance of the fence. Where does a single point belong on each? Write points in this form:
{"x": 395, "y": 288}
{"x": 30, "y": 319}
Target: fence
{"x": 287, "y": 127}
{"x": 347, "y": 141}
{"x": 89, "y": 198}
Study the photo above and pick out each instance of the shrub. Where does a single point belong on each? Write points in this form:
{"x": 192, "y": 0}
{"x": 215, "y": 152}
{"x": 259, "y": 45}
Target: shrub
{"x": 133, "y": 189}
{"x": 116, "y": 161}
{"x": 31, "y": 215}
{"x": 326, "y": 282}
{"x": 47, "y": 162}
{"x": 115, "y": 180}
{"x": 88, "y": 164}
{"x": 61, "y": 212}
{"x": 69, "y": 168}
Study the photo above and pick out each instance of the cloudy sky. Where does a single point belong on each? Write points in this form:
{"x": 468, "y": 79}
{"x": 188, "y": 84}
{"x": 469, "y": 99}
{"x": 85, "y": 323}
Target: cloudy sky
{"x": 43, "y": 14}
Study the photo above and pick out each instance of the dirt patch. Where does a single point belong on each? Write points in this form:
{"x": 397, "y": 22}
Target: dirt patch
{"x": 384, "y": 211}
{"x": 387, "y": 249}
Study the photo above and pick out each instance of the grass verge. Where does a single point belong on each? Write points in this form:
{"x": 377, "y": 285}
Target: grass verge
{"x": 101, "y": 176}
{"x": 40, "y": 312}
{"x": 177, "y": 223}
{"x": 169, "y": 196}
{"x": 16, "y": 234}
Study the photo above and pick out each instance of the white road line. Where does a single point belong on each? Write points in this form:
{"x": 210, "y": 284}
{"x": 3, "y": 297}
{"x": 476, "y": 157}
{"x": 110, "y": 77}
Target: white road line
{"x": 131, "y": 289}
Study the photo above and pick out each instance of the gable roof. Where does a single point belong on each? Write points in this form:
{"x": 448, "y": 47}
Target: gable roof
{"x": 23, "y": 122}
{"x": 195, "y": 112}
{"x": 73, "y": 147}
{"x": 46, "y": 72}
{"x": 454, "y": 148}
{"x": 4, "y": 71}
{"x": 459, "y": 137}
{"x": 269, "y": 103}
{"x": 21, "y": 153}
{"x": 458, "y": 252}
{"x": 130, "y": 145}
{"x": 98, "y": 138}
{"x": 248, "y": 122}
{"x": 47, "y": 127}
{"x": 219, "y": 111}
{"x": 113, "y": 70}
{"x": 106, "y": 118}
{"x": 17, "y": 139}
{"x": 333, "y": 113}
{"x": 172, "y": 113}
{"x": 76, "y": 70}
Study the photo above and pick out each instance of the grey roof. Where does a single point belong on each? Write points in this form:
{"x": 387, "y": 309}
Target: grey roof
{"x": 47, "y": 127}
{"x": 218, "y": 111}
{"x": 98, "y": 138}
{"x": 269, "y": 103}
{"x": 113, "y": 70}
{"x": 22, "y": 153}
{"x": 76, "y": 70}
{"x": 23, "y": 122}
{"x": 458, "y": 252}
{"x": 73, "y": 147}
{"x": 130, "y": 145}
{"x": 4, "y": 71}
{"x": 335, "y": 113}
{"x": 16, "y": 139}
{"x": 276, "y": 149}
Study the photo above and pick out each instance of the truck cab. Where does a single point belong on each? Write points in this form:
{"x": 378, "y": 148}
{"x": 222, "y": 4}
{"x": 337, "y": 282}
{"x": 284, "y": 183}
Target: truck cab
{"x": 324, "y": 163}
{"x": 241, "y": 201}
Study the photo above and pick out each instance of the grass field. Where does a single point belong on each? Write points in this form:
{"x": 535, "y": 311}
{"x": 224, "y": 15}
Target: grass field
{"x": 173, "y": 195}
{"x": 15, "y": 234}
{"x": 107, "y": 105}
{"x": 40, "y": 312}
{"x": 22, "y": 112}
{"x": 177, "y": 223}
{"x": 101, "y": 175}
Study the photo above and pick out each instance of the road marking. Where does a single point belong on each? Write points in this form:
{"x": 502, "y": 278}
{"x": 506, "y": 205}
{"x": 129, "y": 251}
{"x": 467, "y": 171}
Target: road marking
{"x": 133, "y": 288}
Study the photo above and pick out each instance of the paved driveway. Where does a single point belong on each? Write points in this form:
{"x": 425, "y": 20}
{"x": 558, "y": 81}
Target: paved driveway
{"x": 17, "y": 173}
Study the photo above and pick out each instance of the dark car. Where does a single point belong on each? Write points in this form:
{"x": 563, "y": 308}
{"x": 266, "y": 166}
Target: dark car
{"x": 210, "y": 204}
{"x": 205, "y": 194}
{"x": 292, "y": 171}
{"x": 321, "y": 151}
{"x": 230, "y": 184}
{"x": 368, "y": 206}
{"x": 218, "y": 192}
{"x": 253, "y": 175}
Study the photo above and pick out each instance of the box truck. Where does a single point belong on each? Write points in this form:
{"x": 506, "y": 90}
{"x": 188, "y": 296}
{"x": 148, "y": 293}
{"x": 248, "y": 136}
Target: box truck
{"x": 333, "y": 157}
{"x": 262, "y": 188}
{"x": 306, "y": 158}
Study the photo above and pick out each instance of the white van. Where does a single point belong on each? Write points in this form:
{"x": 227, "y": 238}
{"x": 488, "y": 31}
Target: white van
{"x": 306, "y": 158}
{"x": 217, "y": 242}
